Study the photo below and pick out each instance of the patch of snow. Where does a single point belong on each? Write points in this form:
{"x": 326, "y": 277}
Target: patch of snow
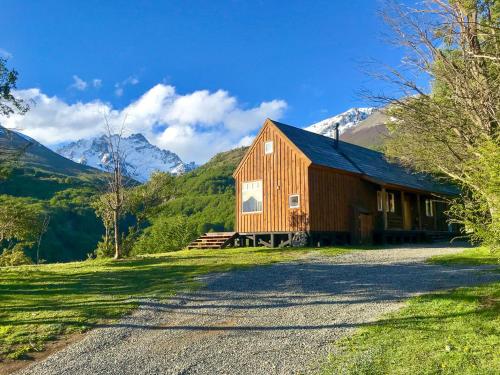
{"x": 346, "y": 120}
{"x": 141, "y": 157}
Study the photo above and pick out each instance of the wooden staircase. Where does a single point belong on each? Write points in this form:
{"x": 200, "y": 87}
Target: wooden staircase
{"x": 214, "y": 240}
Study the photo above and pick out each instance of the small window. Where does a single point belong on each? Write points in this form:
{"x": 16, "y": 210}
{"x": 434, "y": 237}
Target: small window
{"x": 429, "y": 208}
{"x": 268, "y": 147}
{"x": 391, "y": 206}
{"x": 294, "y": 201}
{"x": 379, "y": 201}
{"x": 389, "y": 202}
{"x": 251, "y": 196}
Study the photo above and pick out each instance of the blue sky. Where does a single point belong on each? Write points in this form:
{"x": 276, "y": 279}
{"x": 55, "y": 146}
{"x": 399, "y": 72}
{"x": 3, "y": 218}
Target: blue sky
{"x": 299, "y": 61}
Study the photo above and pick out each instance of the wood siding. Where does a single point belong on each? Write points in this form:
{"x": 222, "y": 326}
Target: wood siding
{"x": 283, "y": 172}
{"x": 330, "y": 200}
{"x": 333, "y": 198}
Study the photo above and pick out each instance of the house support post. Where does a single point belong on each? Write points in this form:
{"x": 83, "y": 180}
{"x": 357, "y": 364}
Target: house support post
{"x": 403, "y": 209}
{"x": 273, "y": 243}
{"x": 434, "y": 206}
{"x": 384, "y": 207}
{"x": 419, "y": 212}
{"x": 254, "y": 240}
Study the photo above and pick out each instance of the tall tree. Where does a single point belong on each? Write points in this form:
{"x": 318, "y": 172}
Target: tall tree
{"x": 20, "y": 221}
{"x": 113, "y": 200}
{"x": 452, "y": 129}
{"x": 9, "y": 105}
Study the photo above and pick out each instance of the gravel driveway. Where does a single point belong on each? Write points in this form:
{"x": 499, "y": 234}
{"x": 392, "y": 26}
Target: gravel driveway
{"x": 276, "y": 319}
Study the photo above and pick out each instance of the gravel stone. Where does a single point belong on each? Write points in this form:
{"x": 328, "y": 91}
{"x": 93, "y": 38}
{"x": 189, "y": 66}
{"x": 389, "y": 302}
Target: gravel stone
{"x": 276, "y": 319}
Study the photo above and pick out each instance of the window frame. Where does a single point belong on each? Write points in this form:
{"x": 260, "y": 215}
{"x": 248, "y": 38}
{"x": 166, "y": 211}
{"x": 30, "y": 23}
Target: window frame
{"x": 380, "y": 201}
{"x": 390, "y": 202}
{"x": 243, "y": 212}
{"x": 290, "y": 203}
{"x": 266, "y": 143}
{"x": 429, "y": 208}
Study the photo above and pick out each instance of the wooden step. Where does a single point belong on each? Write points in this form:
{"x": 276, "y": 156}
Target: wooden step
{"x": 213, "y": 240}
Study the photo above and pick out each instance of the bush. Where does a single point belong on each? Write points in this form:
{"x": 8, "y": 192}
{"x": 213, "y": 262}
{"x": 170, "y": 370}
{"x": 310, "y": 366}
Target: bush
{"x": 105, "y": 249}
{"x": 15, "y": 256}
{"x": 165, "y": 234}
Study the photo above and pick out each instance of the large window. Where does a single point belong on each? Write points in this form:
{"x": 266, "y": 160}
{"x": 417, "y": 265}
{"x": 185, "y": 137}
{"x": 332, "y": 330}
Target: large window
{"x": 251, "y": 195}
{"x": 429, "y": 208}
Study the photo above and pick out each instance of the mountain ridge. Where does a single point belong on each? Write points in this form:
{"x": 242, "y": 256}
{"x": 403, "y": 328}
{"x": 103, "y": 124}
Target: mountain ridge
{"x": 346, "y": 120}
{"x": 364, "y": 127}
{"x": 141, "y": 157}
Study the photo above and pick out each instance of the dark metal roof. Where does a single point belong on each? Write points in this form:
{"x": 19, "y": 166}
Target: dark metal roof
{"x": 321, "y": 150}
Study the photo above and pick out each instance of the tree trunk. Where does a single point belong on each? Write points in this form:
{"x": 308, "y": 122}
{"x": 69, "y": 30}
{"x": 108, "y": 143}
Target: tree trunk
{"x": 106, "y": 235}
{"x": 118, "y": 253}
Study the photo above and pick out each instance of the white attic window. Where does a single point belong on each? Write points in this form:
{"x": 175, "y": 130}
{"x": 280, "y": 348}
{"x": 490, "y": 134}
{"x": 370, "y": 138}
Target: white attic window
{"x": 268, "y": 147}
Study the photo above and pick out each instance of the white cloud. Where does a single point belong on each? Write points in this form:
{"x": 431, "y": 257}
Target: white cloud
{"x": 81, "y": 85}
{"x": 78, "y": 83}
{"x": 120, "y": 86}
{"x": 195, "y": 125}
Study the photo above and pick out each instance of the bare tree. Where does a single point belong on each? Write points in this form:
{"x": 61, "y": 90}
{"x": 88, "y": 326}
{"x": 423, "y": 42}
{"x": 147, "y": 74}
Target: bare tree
{"x": 44, "y": 225}
{"x": 114, "y": 196}
{"x": 113, "y": 199}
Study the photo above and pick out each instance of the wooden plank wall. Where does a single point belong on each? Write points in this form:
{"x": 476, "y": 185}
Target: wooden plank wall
{"x": 332, "y": 197}
{"x": 283, "y": 172}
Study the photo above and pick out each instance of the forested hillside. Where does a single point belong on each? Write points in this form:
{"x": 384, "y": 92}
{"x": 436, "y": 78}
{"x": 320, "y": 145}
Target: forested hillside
{"x": 201, "y": 201}
{"x": 55, "y": 188}
{"x": 207, "y": 193}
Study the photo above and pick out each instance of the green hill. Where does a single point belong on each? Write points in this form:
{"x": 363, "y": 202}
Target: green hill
{"x": 62, "y": 187}
{"x": 206, "y": 195}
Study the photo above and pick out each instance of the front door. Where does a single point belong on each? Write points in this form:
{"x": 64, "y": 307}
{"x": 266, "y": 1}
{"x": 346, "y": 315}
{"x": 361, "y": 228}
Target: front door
{"x": 365, "y": 228}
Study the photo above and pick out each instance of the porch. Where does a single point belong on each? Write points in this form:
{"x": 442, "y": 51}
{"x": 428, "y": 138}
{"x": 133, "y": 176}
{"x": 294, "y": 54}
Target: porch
{"x": 409, "y": 211}
{"x": 405, "y": 216}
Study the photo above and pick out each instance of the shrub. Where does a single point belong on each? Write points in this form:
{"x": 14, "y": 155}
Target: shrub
{"x": 15, "y": 256}
{"x": 105, "y": 249}
{"x": 165, "y": 234}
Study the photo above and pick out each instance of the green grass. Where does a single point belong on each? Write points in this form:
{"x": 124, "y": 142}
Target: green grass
{"x": 475, "y": 256}
{"x": 451, "y": 332}
{"x": 454, "y": 332}
{"x": 40, "y": 303}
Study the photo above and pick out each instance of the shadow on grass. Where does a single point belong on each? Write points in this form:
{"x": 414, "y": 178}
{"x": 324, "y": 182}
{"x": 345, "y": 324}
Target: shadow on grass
{"x": 83, "y": 295}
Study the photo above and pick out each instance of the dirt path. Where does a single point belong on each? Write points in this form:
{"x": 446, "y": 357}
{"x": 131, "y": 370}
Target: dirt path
{"x": 276, "y": 319}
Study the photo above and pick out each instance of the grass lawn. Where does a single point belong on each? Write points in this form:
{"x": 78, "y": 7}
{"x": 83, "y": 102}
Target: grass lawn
{"x": 476, "y": 256}
{"x": 451, "y": 332}
{"x": 40, "y": 303}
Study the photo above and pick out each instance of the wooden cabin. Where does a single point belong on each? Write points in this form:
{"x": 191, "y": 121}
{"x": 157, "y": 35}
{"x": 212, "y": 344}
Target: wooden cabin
{"x": 294, "y": 181}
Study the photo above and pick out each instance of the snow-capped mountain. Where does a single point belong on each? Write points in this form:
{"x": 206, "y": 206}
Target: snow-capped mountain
{"x": 141, "y": 157}
{"x": 346, "y": 120}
